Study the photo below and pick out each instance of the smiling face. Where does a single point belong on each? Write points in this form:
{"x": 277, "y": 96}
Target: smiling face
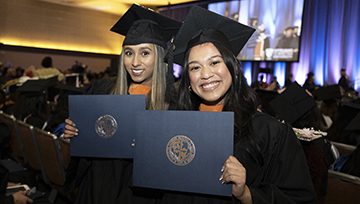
{"x": 209, "y": 76}
{"x": 139, "y": 62}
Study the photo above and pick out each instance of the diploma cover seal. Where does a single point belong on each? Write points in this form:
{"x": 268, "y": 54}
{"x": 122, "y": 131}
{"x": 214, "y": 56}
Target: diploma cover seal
{"x": 180, "y": 150}
{"x": 106, "y": 126}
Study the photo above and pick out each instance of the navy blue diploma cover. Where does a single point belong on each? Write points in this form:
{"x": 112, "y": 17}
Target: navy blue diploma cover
{"x": 106, "y": 124}
{"x": 183, "y": 150}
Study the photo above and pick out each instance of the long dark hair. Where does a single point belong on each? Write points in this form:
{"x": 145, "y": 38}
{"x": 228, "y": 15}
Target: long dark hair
{"x": 240, "y": 99}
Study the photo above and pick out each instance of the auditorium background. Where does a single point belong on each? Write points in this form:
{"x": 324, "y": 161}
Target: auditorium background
{"x": 33, "y": 29}
{"x": 329, "y": 39}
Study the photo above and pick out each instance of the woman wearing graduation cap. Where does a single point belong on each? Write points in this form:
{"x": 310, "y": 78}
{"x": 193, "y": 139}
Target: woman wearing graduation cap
{"x": 141, "y": 71}
{"x": 268, "y": 165}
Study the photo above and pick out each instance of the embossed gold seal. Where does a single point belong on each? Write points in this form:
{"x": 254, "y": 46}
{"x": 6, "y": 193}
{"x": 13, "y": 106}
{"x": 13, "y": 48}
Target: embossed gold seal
{"x": 180, "y": 150}
{"x": 106, "y": 126}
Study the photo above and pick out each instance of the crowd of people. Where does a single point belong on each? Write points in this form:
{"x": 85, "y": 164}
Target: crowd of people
{"x": 280, "y": 152}
{"x": 38, "y": 97}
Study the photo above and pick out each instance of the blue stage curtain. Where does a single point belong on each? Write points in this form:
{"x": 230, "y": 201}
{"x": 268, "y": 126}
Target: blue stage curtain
{"x": 330, "y": 41}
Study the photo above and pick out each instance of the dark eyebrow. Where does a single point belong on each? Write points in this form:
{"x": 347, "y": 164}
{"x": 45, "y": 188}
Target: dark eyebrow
{"x": 141, "y": 48}
{"x": 128, "y": 48}
{"x": 212, "y": 57}
{"x": 145, "y": 48}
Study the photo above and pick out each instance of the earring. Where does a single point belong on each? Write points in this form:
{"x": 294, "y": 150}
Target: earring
{"x": 190, "y": 88}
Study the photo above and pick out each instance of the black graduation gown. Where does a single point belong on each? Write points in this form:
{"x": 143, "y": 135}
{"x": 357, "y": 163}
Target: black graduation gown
{"x": 103, "y": 180}
{"x": 282, "y": 178}
{"x": 36, "y": 121}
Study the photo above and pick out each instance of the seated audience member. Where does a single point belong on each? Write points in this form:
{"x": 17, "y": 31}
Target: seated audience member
{"x": 265, "y": 97}
{"x": 8, "y": 97}
{"x": 289, "y": 80}
{"x": 56, "y": 124}
{"x": 298, "y": 108}
{"x": 344, "y": 80}
{"x": 352, "y": 165}
{"x": 346, "y": 113}
{"x": 32, "y": 107}
{"x": 349, "y": 163}
{"x": 47, "y": 71}
{"x": 310, "y": 82}
{"x": 328, "y": 96}
{"x": 16, "y": 198}
{"x": 19, "y": 72}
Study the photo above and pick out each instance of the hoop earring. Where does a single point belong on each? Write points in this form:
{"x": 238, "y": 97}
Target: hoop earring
{"x": 190, "y": 89}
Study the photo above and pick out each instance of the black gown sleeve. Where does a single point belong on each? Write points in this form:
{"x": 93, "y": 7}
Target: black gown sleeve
{"x": 284, "y": 176}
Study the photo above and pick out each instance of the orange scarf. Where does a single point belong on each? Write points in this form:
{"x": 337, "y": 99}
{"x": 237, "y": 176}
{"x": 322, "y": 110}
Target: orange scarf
{"x": 137, "y": 89}
{"x": 217, "y": 108}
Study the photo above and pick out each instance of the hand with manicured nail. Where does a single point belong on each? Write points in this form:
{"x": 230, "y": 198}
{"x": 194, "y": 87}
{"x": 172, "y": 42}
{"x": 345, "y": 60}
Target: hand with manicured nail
{"x": 70, "y": 130}
{"x": 234, "y": 172}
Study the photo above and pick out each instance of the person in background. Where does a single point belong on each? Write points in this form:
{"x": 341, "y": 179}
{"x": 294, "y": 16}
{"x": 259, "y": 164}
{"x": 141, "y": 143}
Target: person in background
{"x": 142, "y": 71}
{"x": 295, "y": 34}
{"x": 235, "y": 16}
{"x": 287, "y": 40}
{"x": 48, "y": 70}
{"x": 31, "y": 106}
{"x": 249, "y": 49}
{"x": 289, "y": 80}
{"x": 344, "y": 80}
{"x": 310, "y": 82}
{"x": 18, "y": 197}
{"x": 263, "y": 43}
{"x": 275, "y": 84}
{"x": 296, "y": 107}
{"x": 268, "y": 164}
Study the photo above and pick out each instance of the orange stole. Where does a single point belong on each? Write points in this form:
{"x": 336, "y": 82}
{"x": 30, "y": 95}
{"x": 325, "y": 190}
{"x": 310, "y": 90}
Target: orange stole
{"x": 217, "y": 108}
{"x": 137, "y": 89}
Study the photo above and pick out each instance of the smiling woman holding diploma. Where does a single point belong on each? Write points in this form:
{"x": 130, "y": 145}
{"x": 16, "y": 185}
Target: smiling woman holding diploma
{"x": 141, "y": 71}
{"x": 268, "y": 164}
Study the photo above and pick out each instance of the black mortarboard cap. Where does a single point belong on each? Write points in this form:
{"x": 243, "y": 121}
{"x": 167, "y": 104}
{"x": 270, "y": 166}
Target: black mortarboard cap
{"x": 351, "y": 112}
{"x": 266, "y": 94}
{"x": 142, "y": 25}
{"x": 293, "y": 103}
{"x": 32, "y": 86}
{"x": 37, "y": 87}
{"x": 327, "y": 93}
{"x": 70, "y": 90}
{"x": 201, "y": 26}
{"x": 349, "y": 109}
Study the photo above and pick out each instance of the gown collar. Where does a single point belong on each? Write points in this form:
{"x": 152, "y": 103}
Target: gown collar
{"x": 138, "y": 89}
{"x": 217, "y": 108}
